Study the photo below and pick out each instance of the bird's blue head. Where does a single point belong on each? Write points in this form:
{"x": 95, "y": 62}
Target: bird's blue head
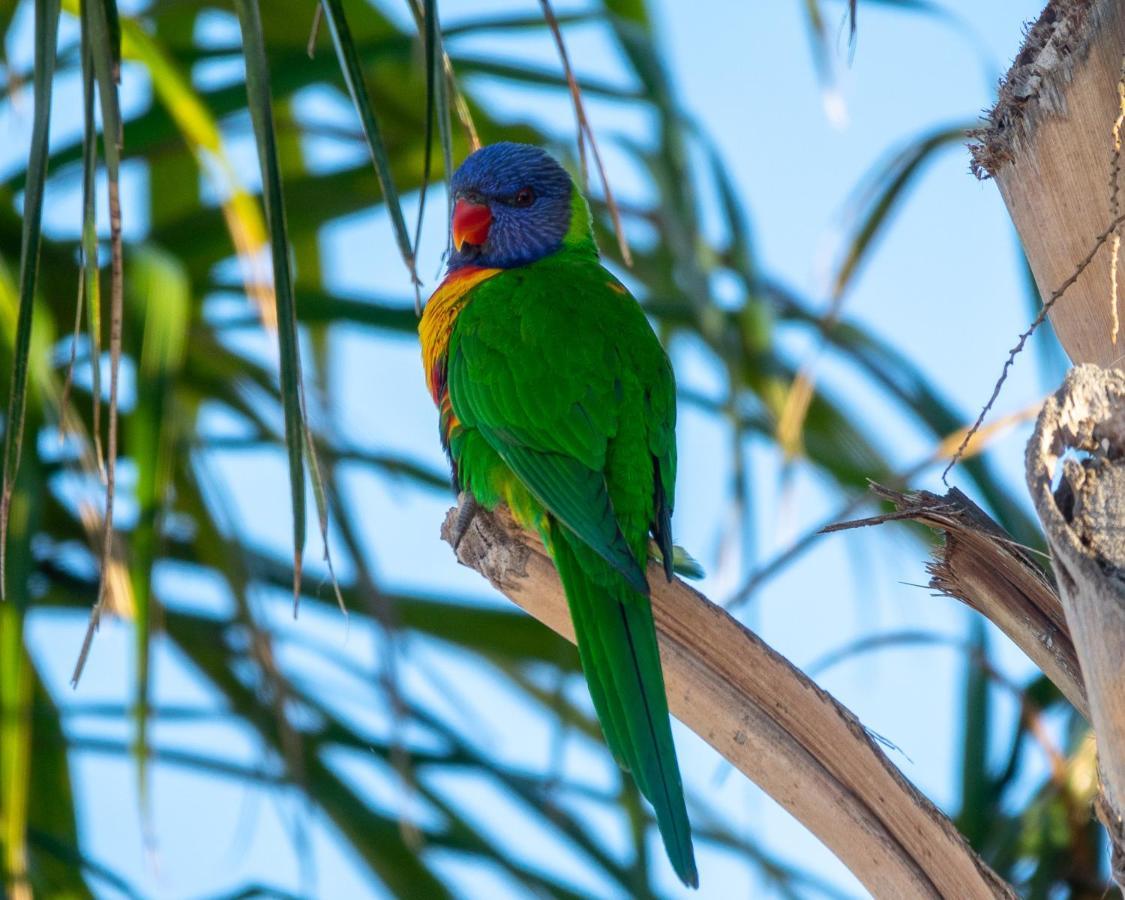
{"x": 513, "y": 204}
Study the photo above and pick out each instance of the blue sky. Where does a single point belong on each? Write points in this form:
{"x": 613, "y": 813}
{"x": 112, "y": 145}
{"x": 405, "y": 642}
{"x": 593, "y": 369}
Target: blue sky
{"x": 943, "y": 286}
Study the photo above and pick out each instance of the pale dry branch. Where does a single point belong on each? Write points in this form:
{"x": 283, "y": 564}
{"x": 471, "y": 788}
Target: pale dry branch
{"x": 1047, "y": 143}
{"x": 1053, "y": 144}
{"x": 1082, "y": 428}
{"x": 769, "y": 720}
{"x": 979, "y": 564}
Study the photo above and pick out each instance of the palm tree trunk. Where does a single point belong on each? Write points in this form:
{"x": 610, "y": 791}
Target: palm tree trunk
{"x": 1053, "y": 146}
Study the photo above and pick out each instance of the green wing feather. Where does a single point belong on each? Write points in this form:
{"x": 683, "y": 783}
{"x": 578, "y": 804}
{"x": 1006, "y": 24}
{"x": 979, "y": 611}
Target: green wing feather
{"x": 559, "y": 371}
{"x": 577, "y": 497}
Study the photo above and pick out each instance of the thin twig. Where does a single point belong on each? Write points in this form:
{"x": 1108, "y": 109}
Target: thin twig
{"x": 427, "y": 141}
{"x": 314, "y": 30}
{"x": 575, "y": 91}
{"x": 460, "y": 104}
{"x": 115, "y": 317}
{"x": 64, "y": 400}
{"x": 1018, "y": 348}
{"x": 766, "y": 571}
{"x": 585, "y": 132}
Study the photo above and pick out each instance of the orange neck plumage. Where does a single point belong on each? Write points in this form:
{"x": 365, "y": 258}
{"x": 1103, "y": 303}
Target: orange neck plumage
{"x": 441, "y": 312}
{"x": 436, "y": 326}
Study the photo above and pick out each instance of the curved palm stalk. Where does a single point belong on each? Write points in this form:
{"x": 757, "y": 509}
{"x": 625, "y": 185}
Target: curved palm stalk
{"x": 292, "y": 389}
{"x": 46, "y": 39}
{"x": 241, "y": 212}
{"x": 768, "y": 719}
{"x": 99, "y": 20}
{"x": 886, "y": 186}
{"x": 353, "y": 77}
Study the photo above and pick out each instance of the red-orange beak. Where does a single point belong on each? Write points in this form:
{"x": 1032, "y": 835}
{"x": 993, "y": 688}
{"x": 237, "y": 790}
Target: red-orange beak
{"x": 471, "y": 222}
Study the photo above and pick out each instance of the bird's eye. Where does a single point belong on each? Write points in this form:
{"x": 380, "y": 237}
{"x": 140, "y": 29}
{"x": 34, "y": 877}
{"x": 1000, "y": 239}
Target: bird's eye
{"x": 525, "y": 197}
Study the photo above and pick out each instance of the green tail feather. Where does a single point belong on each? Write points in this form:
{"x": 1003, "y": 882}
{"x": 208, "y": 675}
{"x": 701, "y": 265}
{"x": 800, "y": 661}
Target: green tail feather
{"x": 617, "y": 646}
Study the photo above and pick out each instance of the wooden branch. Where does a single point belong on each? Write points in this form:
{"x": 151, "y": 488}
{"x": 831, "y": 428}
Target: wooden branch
{"x": 1083, "y": 521}
{"x": 1049, "y": 144}
{"x": 770, "y": 721}
{"x": 981, "y": 565}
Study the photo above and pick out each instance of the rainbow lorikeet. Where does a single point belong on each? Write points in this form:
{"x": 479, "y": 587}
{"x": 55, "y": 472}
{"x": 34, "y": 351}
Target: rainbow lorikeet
{"x": 556, "y": 398}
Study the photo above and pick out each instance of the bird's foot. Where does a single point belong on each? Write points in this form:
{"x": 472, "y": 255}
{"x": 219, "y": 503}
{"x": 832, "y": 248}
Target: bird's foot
{"x": 467, "y": 508}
